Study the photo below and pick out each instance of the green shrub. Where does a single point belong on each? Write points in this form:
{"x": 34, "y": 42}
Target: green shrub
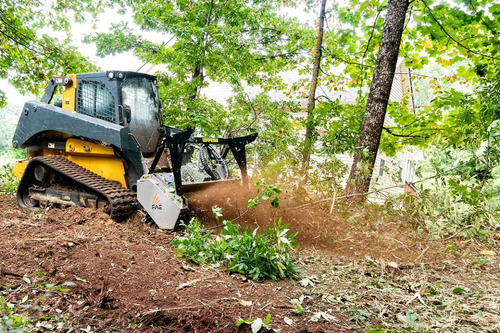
{"x": 266, "y": 192}
{"x": 8, "y": 183}
{"x": 463, "y": 199}
{"x": 255, "y": 255}
{"x": 195, "y": 242}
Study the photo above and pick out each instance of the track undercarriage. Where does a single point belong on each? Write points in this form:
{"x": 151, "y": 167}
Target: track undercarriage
{"x": 58, "y": 181}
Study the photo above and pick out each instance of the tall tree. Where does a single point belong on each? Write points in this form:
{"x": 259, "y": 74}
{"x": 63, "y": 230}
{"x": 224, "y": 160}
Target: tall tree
{"x": 235, "y": 41}
{"x": 378, "y": 98}
{"x": 459, "y": 36}
{"x": 311, "y": 100}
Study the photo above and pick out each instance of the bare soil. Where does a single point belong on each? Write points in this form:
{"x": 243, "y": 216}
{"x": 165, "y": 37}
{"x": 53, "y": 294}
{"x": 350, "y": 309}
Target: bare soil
{"x": 128, "y": 277}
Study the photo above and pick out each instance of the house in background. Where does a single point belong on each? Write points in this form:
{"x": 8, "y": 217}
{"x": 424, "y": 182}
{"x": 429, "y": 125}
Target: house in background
{"x": 389, "y": 171}
{"x": 392, "y": 175}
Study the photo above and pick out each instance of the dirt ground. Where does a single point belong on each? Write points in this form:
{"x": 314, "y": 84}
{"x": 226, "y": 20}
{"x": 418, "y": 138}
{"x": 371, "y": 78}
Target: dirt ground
{"x": 77, "y": 269}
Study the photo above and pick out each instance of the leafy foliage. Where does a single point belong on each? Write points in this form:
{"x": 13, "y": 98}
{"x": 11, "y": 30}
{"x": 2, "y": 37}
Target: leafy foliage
{"x": 223, "y": 41}
{"x": 10, "y": 319}
{"x": 463, "y": 200}
{"x": 8, "y": 183}
{"x": 257, "y": 256}
{"x": 269, "y": 192}
{"x": 464, "y": 197}
{"x": 443, "y": 32}
{"x": 28, "y": 57}
{"x": 256, "y": 324}
{"x": 195, "y": 242}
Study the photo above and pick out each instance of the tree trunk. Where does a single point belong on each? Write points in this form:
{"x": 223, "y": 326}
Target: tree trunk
{"x": 311, "y": 100}
{"x": 376, "y": 106}
{"x": 200, "y": 64}
{"x": 197, "y": 80}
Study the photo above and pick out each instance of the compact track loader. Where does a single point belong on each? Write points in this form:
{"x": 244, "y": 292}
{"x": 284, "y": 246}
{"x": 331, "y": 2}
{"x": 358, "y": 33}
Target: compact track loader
{"x": 104, "y": 146}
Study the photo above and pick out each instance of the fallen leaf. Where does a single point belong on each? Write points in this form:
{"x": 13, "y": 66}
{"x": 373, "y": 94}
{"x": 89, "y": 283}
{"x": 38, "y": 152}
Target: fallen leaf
{"x": 487, "y": 253}
{"x": 317, "y": 316}
{"x": 459, "y": 290}
{"x": 305, "y": 282}
{"x": 393, "y": 269}
{"x": 257, "y": 325}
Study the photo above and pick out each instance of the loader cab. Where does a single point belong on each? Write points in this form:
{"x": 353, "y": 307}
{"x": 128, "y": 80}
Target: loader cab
{"x": 126, "y": 98}
{"x": 141, "y": 111}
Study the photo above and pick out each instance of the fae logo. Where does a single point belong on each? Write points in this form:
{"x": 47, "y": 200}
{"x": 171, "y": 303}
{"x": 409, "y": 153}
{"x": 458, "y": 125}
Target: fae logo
{"x": 156, "y": 203}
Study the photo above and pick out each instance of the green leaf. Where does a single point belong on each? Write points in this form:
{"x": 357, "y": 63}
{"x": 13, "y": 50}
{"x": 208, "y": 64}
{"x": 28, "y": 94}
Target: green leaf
{"x": 459, "y": 290}
{"x": 63, "y": 290}
{"x": 244, "y": 321}
{"x": 268, "y": 319}
{"x": 298, "y": 309}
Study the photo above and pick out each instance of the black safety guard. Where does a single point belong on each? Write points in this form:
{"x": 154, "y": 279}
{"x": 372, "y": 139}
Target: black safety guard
{"x": 175, "y": 140}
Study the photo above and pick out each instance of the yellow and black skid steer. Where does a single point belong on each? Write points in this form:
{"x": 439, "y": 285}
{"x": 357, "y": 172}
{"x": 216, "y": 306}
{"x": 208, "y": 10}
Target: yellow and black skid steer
{"x": 104, "y": 146}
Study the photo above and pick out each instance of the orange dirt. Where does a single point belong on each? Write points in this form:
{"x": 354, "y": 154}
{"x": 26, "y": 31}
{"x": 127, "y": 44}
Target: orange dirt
{"x": 132, "y": 276}
{"x": 346, "y": 232}
{"x": 128, "y": 275}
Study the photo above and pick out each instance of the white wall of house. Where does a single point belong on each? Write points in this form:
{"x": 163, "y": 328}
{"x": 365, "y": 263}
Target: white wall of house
{"x": 392, "y": 171}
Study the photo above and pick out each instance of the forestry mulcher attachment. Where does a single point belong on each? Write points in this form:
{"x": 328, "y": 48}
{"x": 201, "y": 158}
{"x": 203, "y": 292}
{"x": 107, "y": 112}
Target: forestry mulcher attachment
{"x": 104, "y": 146}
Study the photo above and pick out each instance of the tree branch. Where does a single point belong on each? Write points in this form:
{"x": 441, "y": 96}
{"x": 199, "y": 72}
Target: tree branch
{"x": 346, "y": 61}
{"x": 402, "y": 135}
{"x": 453, "y": 39}
{"x": 371, "y": 35}
{"x": 291, "y": 53}
{"x": 481, "y": 18}
{"x": 24, "y": 43}
{"x": 325, "y": 97}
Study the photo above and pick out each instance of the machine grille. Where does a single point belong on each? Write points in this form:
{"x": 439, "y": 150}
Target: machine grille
{"x": 95, "y": 100}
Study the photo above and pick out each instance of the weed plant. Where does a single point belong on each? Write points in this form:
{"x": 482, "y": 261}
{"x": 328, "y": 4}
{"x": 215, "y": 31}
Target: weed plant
{"x": 8, "y": 183}
{"x": 255, "y": 255}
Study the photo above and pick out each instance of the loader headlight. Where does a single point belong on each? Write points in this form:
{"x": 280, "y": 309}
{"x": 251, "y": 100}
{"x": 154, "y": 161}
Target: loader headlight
{"x": 120, "y": 75}
{"x": 111, "y": 75}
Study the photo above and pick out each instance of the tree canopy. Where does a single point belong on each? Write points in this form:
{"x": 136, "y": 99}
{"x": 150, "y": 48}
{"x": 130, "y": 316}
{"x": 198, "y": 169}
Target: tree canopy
{"x": 29, "y": 52}
{"x": 236, "y": 42}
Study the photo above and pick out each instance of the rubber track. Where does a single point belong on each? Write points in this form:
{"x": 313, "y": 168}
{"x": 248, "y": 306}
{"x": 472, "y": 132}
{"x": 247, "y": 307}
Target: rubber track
{"x": 122, "y": 202}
